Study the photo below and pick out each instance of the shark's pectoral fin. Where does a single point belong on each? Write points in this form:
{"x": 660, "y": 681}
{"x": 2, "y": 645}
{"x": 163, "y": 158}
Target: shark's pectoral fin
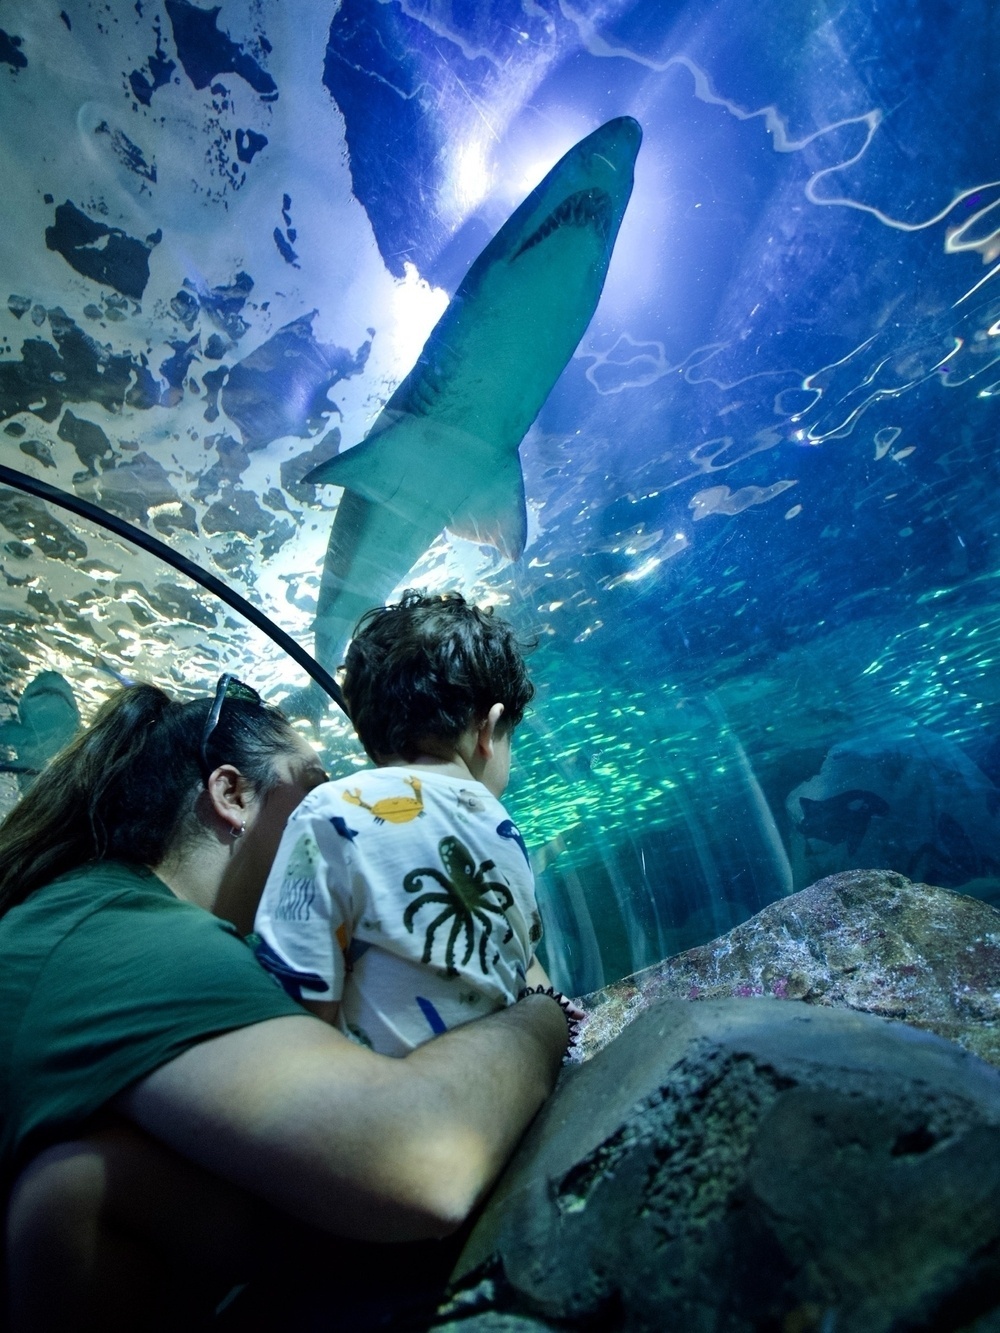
{"x": 495, "y": 513}
{"x": 369, "y": 469}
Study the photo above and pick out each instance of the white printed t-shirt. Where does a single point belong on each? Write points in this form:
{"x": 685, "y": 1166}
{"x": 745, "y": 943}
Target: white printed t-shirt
{"x": 405, "y": 894}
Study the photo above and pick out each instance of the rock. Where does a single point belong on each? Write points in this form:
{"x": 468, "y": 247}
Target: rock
{"x": 865, "y": 939}
{"x": 729, "y": 1167}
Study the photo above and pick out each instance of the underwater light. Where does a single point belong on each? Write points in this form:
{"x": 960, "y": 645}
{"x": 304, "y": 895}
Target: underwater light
{"x": 529, "y": 163}
{"x": 416, "y": 308}
{"x": 644, "y": 569}
{"x": 471, "y": 177}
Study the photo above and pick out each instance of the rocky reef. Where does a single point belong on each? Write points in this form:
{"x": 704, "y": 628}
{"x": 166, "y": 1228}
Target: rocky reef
{"x": 736, "y": 1166}
{"x": 742, "y": 1164}
{"x": 866, "y": 939}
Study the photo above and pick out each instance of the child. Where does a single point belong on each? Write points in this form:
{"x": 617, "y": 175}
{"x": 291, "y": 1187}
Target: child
{"x": 401, "y": 901}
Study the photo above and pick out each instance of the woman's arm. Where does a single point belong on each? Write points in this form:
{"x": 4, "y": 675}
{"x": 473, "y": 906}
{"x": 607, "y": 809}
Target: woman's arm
{"x": 105, "y": 1231}
{"x": 352, "y": 1142}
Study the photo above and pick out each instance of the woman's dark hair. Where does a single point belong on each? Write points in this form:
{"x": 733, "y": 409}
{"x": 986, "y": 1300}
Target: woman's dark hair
{"x": 420, "y": 672}
{"x": 124, "y": 788}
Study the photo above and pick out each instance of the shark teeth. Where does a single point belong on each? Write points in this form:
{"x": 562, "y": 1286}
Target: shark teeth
{"x": 586, "y": 208}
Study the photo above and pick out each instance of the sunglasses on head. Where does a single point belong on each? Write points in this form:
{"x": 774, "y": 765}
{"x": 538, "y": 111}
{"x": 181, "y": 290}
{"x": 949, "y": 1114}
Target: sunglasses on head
{"x": 228, "y": 688}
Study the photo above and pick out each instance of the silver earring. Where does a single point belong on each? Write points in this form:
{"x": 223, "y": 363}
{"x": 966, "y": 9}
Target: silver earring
{"x": 235, "y": 833}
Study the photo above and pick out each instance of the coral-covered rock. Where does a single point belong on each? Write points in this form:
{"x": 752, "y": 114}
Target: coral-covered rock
{"x": 736, "y": 1166}
{"x": 865, "y": 939}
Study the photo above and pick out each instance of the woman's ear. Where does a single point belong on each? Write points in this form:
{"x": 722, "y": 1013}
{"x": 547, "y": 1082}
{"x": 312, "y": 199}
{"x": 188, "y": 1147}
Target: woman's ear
{"x": 229, "y": 795}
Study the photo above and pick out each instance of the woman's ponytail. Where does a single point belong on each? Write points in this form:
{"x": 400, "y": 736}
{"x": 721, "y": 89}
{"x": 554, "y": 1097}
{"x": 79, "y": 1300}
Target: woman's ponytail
{"x": 68, "y": 816}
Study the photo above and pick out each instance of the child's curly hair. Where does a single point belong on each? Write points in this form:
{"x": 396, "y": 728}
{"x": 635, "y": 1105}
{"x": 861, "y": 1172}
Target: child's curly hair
{"x": 421, "y": 671}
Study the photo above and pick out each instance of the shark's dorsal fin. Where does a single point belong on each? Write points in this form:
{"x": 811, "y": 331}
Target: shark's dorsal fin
{"x": 495, "y": 514}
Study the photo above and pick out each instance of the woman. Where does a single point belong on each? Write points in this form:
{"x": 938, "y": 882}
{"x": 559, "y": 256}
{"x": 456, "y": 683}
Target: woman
{"x": 128, "y": 1006}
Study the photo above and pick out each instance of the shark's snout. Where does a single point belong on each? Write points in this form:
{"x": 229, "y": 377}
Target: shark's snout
{"x": 614, "y": 144}
{"x": 600, "y": 167}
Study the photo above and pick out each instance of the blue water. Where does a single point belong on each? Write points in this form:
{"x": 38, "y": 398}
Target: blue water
{"x": 763, "y": 544}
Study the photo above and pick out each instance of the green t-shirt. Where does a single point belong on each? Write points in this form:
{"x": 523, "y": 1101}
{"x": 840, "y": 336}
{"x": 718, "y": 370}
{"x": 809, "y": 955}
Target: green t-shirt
{"x": 105, "y": 977}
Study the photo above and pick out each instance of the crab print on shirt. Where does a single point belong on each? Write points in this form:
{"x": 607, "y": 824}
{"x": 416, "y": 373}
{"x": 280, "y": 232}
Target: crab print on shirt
{"x": 391, "y": 809}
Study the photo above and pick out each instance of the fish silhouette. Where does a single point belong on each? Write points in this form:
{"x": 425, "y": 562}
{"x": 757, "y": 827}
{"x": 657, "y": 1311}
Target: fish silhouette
{"x": 293, "y": 982}
{"x": 47, "y": 719}
{"x": 952, "y": 860}
{"x": 842, "y": 818}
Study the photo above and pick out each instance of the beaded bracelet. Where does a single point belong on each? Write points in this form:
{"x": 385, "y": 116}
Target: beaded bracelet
{"x": 561, "y": 1000}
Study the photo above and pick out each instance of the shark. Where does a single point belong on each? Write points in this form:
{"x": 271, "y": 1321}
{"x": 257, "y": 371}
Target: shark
{"x": 443, "y": 452}
{"x": 47, "y": 719}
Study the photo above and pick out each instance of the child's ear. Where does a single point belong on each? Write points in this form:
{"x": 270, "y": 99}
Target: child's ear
{"x": 487, "y": 732}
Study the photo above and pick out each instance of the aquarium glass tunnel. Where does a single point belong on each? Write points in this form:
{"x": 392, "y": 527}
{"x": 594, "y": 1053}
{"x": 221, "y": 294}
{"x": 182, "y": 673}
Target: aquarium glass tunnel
{"x": 758, "y": 544}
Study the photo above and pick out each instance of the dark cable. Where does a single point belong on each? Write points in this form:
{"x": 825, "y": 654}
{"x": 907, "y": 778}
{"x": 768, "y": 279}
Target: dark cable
{"x": 43, "y": 491}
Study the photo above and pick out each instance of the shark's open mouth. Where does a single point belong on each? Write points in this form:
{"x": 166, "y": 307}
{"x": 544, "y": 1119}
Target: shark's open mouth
{"x": 586, "y": 208}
